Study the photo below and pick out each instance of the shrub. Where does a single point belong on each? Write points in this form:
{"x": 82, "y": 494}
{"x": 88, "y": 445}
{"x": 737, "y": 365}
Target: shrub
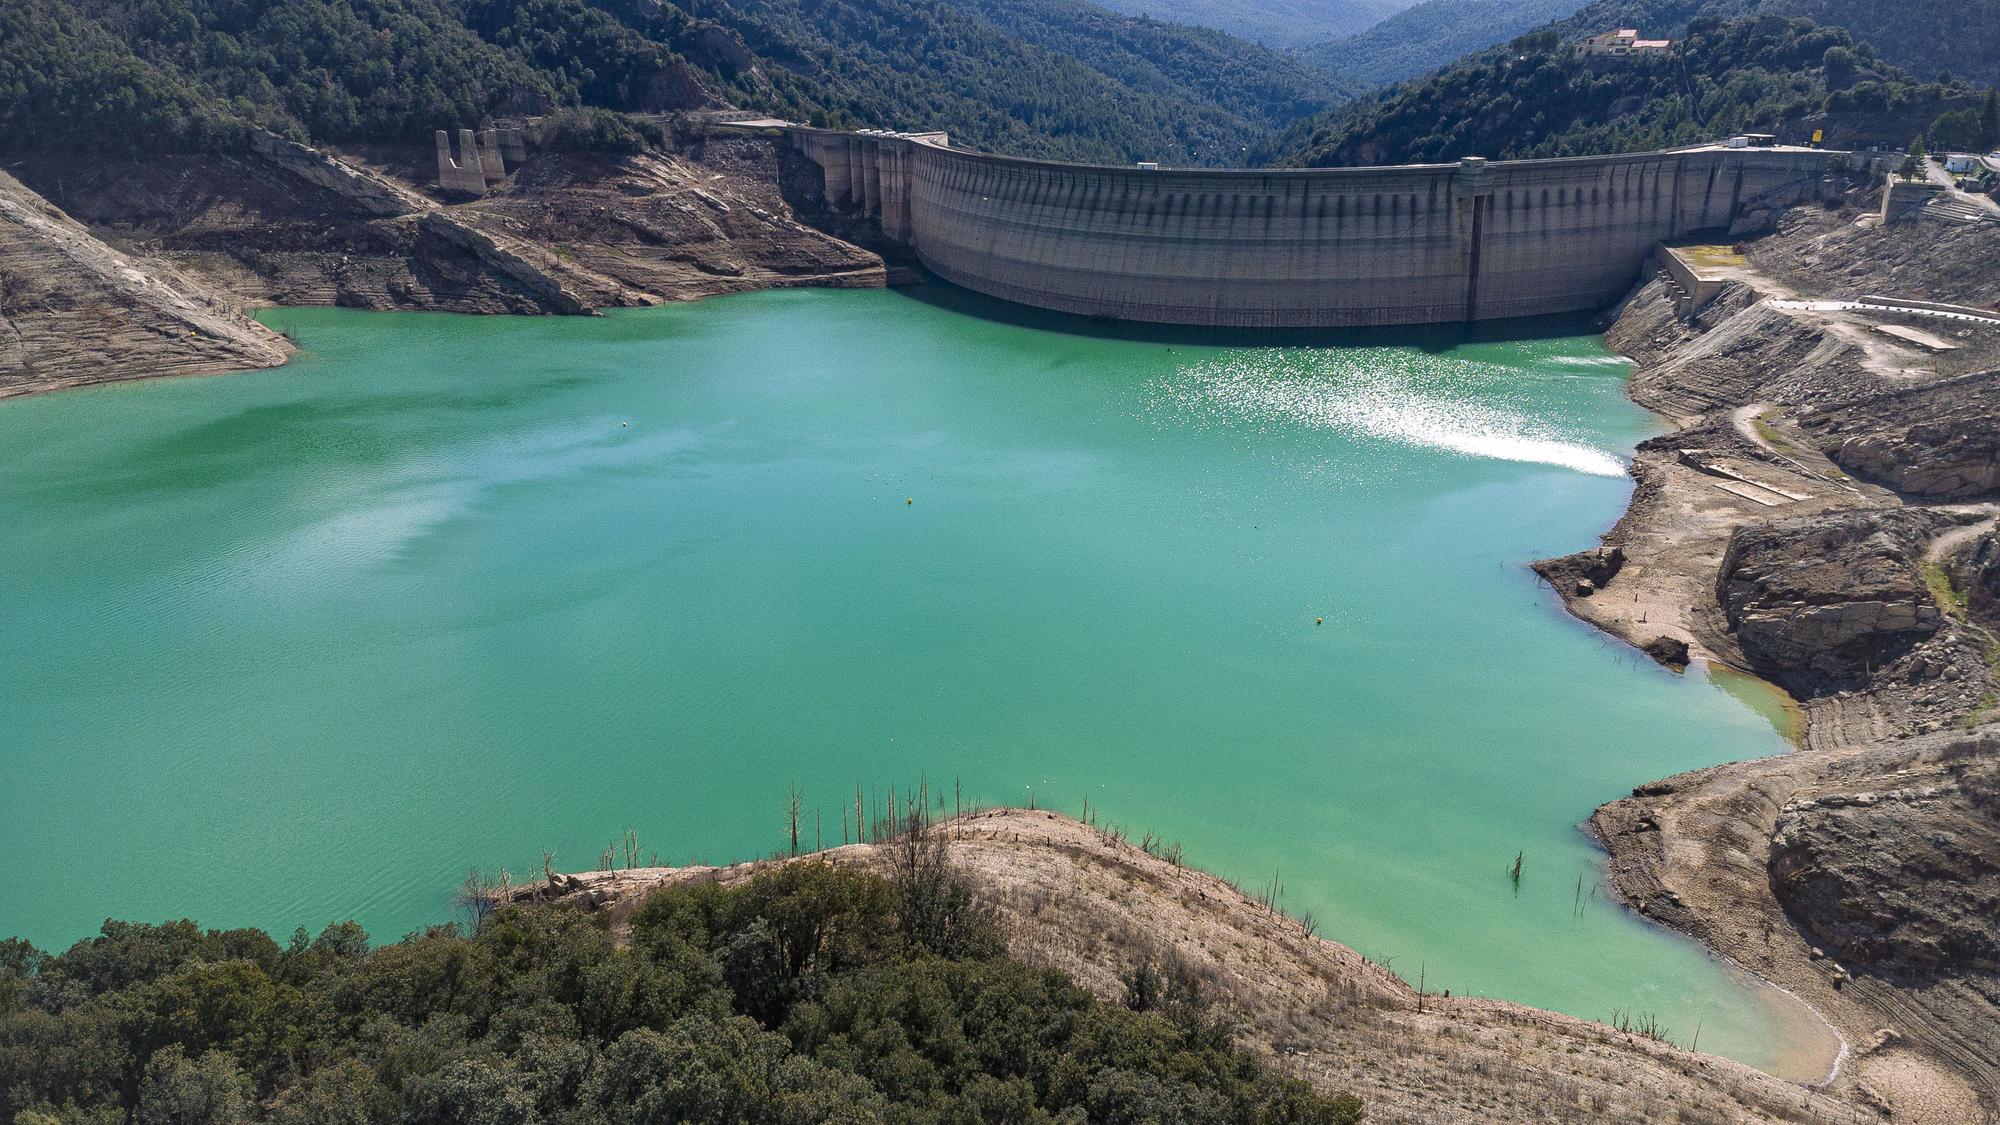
{"x": 601, "y": 130}
{"x": 809, "y": 993}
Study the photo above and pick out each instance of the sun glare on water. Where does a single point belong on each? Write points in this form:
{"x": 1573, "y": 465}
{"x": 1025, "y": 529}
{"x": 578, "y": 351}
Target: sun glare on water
{"x": 1341, "y": 392}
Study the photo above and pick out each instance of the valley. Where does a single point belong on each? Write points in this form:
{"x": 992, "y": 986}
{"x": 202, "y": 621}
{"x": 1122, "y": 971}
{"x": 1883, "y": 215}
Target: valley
{"x": 1157, "y": 435}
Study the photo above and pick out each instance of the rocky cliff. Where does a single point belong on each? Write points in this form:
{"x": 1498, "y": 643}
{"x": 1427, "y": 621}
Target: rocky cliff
{"x": 1901, "y": 875}
{"x": 1827, "y": 603}
{"x": 1937, "y": 441}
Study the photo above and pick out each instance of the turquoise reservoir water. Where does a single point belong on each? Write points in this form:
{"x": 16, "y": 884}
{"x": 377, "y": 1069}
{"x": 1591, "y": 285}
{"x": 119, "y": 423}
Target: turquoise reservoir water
{"x": 303, "y": 645}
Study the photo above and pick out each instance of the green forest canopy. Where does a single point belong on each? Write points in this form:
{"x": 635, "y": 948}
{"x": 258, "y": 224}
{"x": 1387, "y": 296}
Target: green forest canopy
{"x": 1534, "y": 98}
{"x": 808, "y": 994}
{"x": 131, "y": 75}
{"x": 1929, "y": 38}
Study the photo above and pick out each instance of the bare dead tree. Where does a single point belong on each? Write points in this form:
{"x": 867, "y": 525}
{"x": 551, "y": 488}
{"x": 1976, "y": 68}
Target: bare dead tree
{"x": 475, "y": 897}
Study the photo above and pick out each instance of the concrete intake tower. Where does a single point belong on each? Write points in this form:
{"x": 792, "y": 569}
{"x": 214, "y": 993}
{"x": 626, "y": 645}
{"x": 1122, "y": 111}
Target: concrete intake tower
{"x": 1415, "y": 244}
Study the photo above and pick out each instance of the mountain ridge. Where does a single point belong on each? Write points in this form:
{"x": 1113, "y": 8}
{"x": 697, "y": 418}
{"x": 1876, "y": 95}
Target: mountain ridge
{"x": 1535, "y": 98}
{"x": 1430, "y": 35}
{"x": 1076, "y": 83}
{"x": 1276, "y": 23}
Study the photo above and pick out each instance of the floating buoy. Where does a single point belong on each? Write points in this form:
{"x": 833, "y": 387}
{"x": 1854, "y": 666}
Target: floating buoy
{"x": 909, "y": 499}
{"x": 622, "y": 425}
{"x": 1319, "y": 620}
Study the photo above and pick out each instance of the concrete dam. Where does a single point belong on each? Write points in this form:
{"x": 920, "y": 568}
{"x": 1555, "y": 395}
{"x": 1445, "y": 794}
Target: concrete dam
{"x": 1415, "y": 244}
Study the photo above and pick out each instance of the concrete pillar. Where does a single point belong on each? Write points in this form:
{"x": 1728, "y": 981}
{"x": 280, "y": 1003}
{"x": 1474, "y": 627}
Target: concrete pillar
{"x": 446, "y": 166}
{"x": 895, "y": 172}
{"x": 469, "y": 164}
{"x": 857, "y": 175}
{"x": 871, "y": 168}
{"x": 490, "y": 161}
{"x": 468, "y": 152}
{"x": 831, "y": 155}
{"x": 1470, "y": 201}
{"x": 463, "y": 174}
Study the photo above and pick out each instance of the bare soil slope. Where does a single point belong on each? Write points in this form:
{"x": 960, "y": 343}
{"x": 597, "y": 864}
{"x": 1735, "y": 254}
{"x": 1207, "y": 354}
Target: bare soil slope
{"x": 1093, "y": 905}
{"x": 283, "y": 224}
{"x": 565, "y": 233}
{"x": 74, "y": 310}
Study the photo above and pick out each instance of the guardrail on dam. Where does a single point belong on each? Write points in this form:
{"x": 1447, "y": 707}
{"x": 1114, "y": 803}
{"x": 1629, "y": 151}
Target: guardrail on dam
{"x": 1416, "y": 244}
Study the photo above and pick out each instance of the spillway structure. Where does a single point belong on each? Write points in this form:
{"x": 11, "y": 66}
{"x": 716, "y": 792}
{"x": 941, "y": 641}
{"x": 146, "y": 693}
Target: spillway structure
{"x": 1286, "y": 248}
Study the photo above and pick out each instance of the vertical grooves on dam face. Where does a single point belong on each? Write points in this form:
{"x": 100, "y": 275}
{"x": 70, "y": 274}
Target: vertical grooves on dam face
{"x": 1472, "y": 267}
{"x": 1421, "y": 244}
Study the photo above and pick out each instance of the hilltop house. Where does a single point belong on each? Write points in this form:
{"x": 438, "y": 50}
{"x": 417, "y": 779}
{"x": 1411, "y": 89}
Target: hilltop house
{"x": 1620, "y": 45}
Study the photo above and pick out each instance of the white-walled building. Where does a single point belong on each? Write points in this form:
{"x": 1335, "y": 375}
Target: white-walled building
{"x": 1621, "y": 44}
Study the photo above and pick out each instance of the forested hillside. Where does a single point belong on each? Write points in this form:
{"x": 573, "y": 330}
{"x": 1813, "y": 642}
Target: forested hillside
{"x": 809, "y": 994}
{"x": 1266, "y": 88}
{"x": 1037, "y": 77}
{"x": 1926, "y": 37}
{"x": 1428, "y": 36}
{"x": 1073, "y": 82}
{"x": 1275, "y": 23}
{"x": 1929, "y": 38}
{"x": 1534, "y": 98}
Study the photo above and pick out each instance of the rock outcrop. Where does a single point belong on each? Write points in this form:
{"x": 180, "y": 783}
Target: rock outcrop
{"x": 1983, "y": 562}
{"x": 569, "y": 232}
{"x": 1583, "y": 573}
{"x": 75, "y": 311}
{"x": 718, "y": 216}
{"x": 282, "y": 231}
{"x": 1901, "y": 875}
{"x": 1827, "y": 254}
{"x": 504, "y": 260}
{"x": 369, "y": 193}
{"x": 1938, "y": 441}
{"x": 1819, "y": 603}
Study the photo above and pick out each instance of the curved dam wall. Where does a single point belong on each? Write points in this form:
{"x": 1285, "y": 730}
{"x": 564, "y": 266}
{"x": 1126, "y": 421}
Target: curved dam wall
{"x": 1415, "y": 244}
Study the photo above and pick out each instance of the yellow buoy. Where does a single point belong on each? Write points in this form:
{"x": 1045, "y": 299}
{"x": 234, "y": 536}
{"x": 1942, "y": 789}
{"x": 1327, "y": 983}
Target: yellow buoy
{"x": 1319, "y": 620}
{"x": 909, "y": 499}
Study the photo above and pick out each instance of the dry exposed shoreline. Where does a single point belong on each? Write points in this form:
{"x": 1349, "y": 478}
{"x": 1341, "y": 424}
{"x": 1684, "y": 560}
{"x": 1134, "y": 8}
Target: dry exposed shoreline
{"x": 174, "y": 248}
{"x": 168, "y": 252}
{"x": 1086, "y": 901}
{"x": 1746, "y": 545}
